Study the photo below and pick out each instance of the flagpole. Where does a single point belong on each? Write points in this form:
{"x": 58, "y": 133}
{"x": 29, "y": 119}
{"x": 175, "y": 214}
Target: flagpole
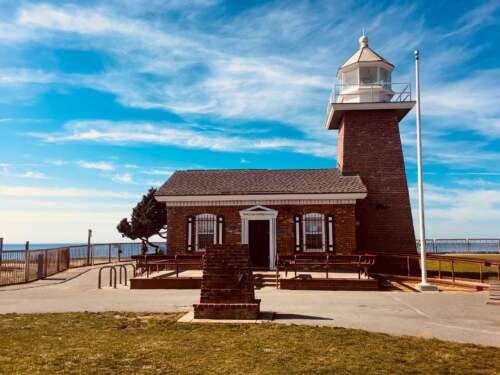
{"x": 424, "y": 284}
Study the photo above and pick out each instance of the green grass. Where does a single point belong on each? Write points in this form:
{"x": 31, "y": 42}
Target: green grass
{"x": 83, "y": 343}
{"x": 466, "y": 270}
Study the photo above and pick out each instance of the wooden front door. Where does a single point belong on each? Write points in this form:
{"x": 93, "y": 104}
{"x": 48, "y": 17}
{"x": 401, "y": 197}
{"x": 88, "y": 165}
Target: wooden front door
{"x": 258, "y": 242}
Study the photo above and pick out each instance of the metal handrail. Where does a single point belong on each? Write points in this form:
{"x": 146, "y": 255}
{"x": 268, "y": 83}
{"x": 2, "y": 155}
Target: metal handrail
{"x": 398, "y": 91}
{"x": 112, "y": 276}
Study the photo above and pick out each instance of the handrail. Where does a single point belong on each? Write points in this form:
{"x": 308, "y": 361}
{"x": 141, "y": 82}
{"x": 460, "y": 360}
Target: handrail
{"x": 394, "y": 91}
{"x": 112, "y": 276}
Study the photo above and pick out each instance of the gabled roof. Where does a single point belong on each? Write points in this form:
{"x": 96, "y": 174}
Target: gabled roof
{"x": 260, "y": 181}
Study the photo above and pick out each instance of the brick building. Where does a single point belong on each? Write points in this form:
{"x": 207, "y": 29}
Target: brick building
{"x": 361, "y": 206}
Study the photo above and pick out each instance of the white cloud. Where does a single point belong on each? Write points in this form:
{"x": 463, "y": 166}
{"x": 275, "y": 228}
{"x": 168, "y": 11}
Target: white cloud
{"x": 460, "y": 212}
{"x": 59, "y": 192}
{"x": 123, "y": 178}
{"x": 185, "y": 137}
{"x": 56, "y": 162}
{"x": 158, "y": 172}
{"x": 34, "y": 175}
{"x": 99, "y": 165}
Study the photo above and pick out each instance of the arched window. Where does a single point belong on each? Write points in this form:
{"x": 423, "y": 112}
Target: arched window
{"x": 205, "y": 231}
{"x": 314, "y": 232}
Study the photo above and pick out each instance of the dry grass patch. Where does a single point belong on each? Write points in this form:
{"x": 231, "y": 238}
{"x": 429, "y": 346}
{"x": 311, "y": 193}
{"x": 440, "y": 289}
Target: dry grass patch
{"x": 127, "y": 343}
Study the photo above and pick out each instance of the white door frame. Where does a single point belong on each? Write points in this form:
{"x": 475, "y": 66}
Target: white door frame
{"x": 261, "y": 213}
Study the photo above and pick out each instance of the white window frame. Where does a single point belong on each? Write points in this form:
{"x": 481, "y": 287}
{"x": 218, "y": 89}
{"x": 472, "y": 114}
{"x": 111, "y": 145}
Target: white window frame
{"x": 314, "y": 215}
{"x": 213, "y": 219}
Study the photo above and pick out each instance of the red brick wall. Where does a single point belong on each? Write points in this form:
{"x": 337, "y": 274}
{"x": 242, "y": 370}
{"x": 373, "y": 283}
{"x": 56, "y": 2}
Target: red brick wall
{"x": 370, "y": 144}
{"x": 345, "y": 225}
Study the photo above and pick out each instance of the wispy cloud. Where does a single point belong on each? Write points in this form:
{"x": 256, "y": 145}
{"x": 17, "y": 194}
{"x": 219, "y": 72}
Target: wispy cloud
{"x": 99, "y": 165}
{"x": 123, "y": 178}
{"x": 34, "y": 175}
{"x": 158, "y": 172}
{"x": 460, "y": 211}
{"x": 185, "y": 137}
{"x": 60, "y": 192}
{"x": 56, "y": 162}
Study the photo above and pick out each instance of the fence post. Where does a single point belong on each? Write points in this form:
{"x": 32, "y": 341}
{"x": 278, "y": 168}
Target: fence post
{"x": 109, "y": 253}
{"x": 1, "y": 250}
{"x": 452, "y": 270}
{"x": 26, "y": 262}
{"x": 89, "y": 239}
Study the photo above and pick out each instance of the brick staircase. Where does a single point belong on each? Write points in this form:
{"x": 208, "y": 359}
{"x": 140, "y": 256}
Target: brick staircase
{"x": 264, "y": 279}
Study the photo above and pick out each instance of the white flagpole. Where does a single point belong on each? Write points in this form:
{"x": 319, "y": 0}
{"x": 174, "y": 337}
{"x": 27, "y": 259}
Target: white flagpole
{"x": 424, "y": 285}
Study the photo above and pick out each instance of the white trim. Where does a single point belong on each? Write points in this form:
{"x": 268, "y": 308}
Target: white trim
{"x": 330, "y": 233}
{"x": 220, "y": 228}
{"x": 304, "y": 233}
{"x": 299, "y": 202}
{"x": 297, "y": 234}
{"x": 261, "y": 213}
{"x": 190, "y": 234}
{"x": 335, "y": 111}
{"x": 258, "y": 197}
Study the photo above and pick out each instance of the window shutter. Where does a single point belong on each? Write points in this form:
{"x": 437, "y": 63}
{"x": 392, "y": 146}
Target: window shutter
{"x": 189, "y": 233}
{"x": 330, "y": 233}
{"x": 220, "y": 230}
{"x": 297, "y": 231}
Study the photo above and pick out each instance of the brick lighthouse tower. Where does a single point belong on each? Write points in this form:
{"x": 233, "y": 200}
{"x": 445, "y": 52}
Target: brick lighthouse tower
{"x": 366, "y": 108}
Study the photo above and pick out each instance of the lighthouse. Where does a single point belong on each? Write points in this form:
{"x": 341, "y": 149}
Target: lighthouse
{"x": 366, "y": 107}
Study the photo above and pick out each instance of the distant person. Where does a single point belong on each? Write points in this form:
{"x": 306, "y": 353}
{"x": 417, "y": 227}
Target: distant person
{"x": 144, "y": 248}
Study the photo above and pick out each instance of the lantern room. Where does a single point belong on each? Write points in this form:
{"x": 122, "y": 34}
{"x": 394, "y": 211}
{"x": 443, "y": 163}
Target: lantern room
{"x": 365, "y": 77}
{"x": 365, "y": 83}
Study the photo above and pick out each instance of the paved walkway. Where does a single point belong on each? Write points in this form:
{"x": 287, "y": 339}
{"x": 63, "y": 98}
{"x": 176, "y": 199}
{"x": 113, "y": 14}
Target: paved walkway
{"x": 455, "y": 316}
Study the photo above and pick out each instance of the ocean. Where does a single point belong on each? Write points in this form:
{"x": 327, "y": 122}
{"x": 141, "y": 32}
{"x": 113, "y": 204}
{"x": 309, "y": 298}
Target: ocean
{"x": 37, "y": 246}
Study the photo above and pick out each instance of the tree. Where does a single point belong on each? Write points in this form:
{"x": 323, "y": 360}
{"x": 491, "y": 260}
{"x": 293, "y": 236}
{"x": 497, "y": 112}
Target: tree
{"x": 149, "y": 218}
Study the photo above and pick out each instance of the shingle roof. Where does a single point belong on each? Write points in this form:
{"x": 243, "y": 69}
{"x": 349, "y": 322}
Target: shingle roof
{"x": 260, "y": 181}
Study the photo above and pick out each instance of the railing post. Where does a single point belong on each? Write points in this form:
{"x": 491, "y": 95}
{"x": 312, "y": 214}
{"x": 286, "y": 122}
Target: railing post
{"x": 439, "y": 268}
{"x": 89, "y": 239}
{"x": 27, "y": 262}
{"x": 1, "y": 250}
{"x": 481, "y": 272}
{"x": 408, "y": 265}
{"x": 109, "y": 253}
{"x": 45, "y": 262}
{"x": 452, "y": 270}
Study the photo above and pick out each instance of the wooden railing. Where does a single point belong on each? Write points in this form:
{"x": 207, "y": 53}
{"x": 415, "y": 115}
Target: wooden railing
{"x": 324, "y": 262}
{"x": 150, "y": 263}
{"x": 448, "y": 267}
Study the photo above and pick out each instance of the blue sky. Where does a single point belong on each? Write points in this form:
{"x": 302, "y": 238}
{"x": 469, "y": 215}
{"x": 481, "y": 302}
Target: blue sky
{"x": 100, "y": 100}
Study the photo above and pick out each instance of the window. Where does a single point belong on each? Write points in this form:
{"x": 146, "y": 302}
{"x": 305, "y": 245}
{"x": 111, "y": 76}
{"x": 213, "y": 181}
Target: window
{"x": 368, "y": 75}
{"x": 385, "y": 78}
{"x": 350, "y": 77}
{"x": 314, "y": 232}
{"x": 205, "y": 231}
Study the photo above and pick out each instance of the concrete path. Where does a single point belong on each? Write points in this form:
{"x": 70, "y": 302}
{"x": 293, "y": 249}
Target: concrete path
{"x": 455, "y": 316}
